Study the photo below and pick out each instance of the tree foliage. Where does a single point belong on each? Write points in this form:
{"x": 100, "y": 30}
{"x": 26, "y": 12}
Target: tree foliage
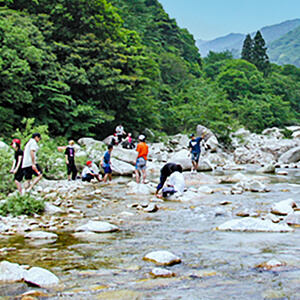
{"x": 81, "y": 67}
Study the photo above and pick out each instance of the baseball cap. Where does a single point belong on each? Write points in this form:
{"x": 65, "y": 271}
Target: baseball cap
{"x": 191, "y": 135}
{"x": 88, "y": 162}
{"x": 16, "y": 141}
{"x": 141, "y": 137}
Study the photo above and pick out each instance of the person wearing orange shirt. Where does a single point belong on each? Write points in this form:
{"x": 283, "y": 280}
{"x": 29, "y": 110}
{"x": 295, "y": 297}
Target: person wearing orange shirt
{"x": 141, "y": 160}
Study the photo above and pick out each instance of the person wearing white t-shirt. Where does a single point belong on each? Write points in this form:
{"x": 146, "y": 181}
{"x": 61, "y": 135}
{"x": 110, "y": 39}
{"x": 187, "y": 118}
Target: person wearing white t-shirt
{"x": 29, "y": 165}
{"x": 176, "y": 184}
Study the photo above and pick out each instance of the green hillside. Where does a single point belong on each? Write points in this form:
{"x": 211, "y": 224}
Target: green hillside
{"x": 80, "y": 67}
{"x": 285, "y": 50}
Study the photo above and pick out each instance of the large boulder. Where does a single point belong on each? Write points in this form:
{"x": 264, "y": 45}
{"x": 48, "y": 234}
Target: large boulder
{"x": 140, "y": 189}
{"x": 125, "y": 155}
{"x": 121, "y": 168}
{"x": 182, "y": 158}
{"x": 291, "y": 156}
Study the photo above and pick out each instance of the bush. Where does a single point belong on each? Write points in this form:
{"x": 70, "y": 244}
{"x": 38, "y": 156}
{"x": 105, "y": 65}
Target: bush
{"x": 7, "y": 184}
{"x": 21, "y": 205}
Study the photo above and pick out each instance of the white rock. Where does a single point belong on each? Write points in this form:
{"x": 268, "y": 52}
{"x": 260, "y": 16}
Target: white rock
{"x": 121, "y": 168}
{"x": 41, "y": 277}
{"x": 139, "y": 189}
{"x": 283, "y": 207}
{"x": 293, "y": 155}
{"x": 163, "y": 258}
{"x": 41, "y": 235}
{"x": 97, "y": 226}
{"x": 205, "y": 190}
{"x": 293, "y": 218}
{"x": 10, "y": 272}
{"x": 160, "y": 272}
{"x": 253, "y": 224}
{"x": 52, "y": 209}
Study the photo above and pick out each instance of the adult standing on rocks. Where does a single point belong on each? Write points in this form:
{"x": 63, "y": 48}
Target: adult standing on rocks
{"x": 120, "y": 132}
{"x": 165, "y": 172}
{"x": 141, "y": 160}
{"x": 195, "y": 150}
{"x": 29, "y": 165}
{"x": 70, "y": 160}
{"x": 16, "y": 168}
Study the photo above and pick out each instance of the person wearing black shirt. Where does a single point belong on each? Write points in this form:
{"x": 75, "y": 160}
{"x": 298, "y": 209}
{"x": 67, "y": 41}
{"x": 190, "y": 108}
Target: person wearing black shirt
{"x": 165, "y": 172}
{"x": 16, "y": 168}
{"x": 70, "y": 161}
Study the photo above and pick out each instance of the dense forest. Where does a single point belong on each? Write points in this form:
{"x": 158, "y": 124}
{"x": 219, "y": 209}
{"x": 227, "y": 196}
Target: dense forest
{"x": 83, "y": 66}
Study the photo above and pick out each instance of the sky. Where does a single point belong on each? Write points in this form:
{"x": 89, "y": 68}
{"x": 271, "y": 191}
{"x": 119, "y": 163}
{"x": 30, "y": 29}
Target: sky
{"x": 210, "y": 19}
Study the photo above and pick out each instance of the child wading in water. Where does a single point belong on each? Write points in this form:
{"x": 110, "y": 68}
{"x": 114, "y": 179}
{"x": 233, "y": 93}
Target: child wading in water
{"x": 16, "y": 167}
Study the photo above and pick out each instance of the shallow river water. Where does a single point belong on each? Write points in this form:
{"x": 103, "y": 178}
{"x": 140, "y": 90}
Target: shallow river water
{"x": 215, "y": 264}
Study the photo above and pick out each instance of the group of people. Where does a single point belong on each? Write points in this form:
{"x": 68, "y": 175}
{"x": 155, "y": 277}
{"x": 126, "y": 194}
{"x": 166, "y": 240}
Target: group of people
{"x": 24, "y": 165}
{"x": 120, "y": 137}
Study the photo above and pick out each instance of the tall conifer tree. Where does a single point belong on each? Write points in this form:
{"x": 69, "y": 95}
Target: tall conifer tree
{"x": 247, "y": 49}
{"x": 259, "y": 54}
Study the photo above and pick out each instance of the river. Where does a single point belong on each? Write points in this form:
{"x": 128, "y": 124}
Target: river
{"x": 215, "y": 264}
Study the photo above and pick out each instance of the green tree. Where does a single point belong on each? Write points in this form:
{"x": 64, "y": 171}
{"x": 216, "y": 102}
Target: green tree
{"x": 259, "y": 55}
{"x": 247, "y": 50}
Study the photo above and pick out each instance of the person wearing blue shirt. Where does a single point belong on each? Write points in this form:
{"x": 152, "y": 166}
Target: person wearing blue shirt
{"x": 195, "y": 150}
{"x": 106, "y": 164}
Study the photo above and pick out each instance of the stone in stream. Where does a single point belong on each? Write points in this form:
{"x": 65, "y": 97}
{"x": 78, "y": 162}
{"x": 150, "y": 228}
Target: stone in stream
{"x": 253, "y": 224}
{"x": 293, "y": 219}
{"x": 97, "y": 226}
{"x": 160, "y": 272}
{"x": 41, "y": 235}
{"x": 41, "y": 277}
{"x": 164, "y": 258}
{"x": 284, "y": 207}
{"x": 11, "y": 272}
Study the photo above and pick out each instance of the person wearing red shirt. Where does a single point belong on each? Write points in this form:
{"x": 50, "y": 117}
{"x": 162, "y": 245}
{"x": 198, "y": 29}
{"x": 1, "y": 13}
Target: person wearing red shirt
{"x": 141, "y": 160}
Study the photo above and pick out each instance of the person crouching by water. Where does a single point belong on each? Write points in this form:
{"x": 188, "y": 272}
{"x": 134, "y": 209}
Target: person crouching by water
{"x": 165, "y": 172}
{"x": 175, "y": 185}
{"x": 29, "y": 166}
{"x": 141, "y": 160}
{"x": 106, "y": 164}
{"x": 88, "y": 174}
{"x": 70, "y": 160}
{"x": 16, "y": 167}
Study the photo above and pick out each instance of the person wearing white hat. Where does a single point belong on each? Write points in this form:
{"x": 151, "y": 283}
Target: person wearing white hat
{"x": 141, "y": 160}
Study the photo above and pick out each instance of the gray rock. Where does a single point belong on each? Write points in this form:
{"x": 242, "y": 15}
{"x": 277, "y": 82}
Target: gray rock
{"x": 11, "y": 272}
{"x": 97, "y": 226}
{"x": 291, "y": 156}
{"x": 160, "y": 272}
{"x": 165, "y": 258}
{"x": 293, "y": 218}
{"x": 283, "y": 207}
{"x": 41, "y": 277}
{"x": 253, "y": 224}
{"x": 41, "y": 235}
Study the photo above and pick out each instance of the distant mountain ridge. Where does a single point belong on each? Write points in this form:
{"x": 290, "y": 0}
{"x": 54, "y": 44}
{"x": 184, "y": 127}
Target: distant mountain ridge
{"x": 234, "y": 41}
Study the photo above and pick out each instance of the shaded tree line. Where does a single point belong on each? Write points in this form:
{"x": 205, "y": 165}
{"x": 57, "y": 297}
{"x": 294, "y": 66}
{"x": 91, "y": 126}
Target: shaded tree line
{"x": 81, "y": 67}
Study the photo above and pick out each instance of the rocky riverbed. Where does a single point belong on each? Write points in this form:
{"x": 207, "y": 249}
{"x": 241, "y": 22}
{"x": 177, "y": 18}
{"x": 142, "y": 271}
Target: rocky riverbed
{"x": 234, "y": 234}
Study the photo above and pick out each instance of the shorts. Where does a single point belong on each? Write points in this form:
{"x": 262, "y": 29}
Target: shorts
{"x": 28, "y": 172}
{"x": 87, "y": 177}
{"x": 19, "y": 175}
{"x": 195, "y": 156}
{"x": 107, "y": 170}
{"x": 140, "y": 163}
